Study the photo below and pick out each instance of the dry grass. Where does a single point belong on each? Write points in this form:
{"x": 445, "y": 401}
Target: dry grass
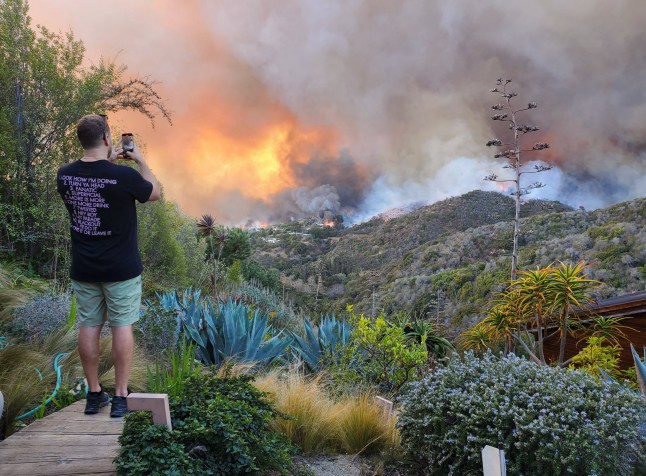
{"x": 15, "y": 290}
{"x": 23, "y": 365}
{"x": 364, "y": 428}
{"x": 21, "y": 382}
{"x": 317, "y": 424}
{"x": 313, "y": 419}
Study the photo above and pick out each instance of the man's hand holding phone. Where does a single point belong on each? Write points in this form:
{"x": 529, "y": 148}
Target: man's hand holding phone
{"x": 129, "y": 149}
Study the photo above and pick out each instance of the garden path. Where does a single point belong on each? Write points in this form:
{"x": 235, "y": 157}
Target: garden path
{"x": 67, "y": 442}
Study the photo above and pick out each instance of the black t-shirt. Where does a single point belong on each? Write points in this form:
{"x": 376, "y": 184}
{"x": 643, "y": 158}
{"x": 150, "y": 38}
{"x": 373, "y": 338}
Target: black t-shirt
{"x": 100, "y": 198}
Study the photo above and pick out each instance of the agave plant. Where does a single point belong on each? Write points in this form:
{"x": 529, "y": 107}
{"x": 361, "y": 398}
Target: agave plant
{"x": 641, "y": 369}
{"x": 329, "y": 337}
{"x": 235, "y": 333}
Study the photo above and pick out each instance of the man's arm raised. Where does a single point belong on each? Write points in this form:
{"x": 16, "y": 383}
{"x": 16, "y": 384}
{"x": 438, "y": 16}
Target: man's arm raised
{"x": 144, "y": 170}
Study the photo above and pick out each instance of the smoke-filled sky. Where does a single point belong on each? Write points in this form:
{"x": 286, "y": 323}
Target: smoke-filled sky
{"x": 285, "y": 108}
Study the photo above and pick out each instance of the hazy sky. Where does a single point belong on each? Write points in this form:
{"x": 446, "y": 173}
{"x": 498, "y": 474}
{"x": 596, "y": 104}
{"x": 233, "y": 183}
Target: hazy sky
{"x": 284, "y": 108}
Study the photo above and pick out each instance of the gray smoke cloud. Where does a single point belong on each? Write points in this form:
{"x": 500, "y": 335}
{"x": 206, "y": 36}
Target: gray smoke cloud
{"x": 401, "y": 87}
{"x": 323, "y": 197}
{"x": 406, "y": 86}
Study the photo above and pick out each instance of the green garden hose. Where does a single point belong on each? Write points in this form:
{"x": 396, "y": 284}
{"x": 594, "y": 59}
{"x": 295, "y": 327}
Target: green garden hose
{"x": 57, "y": 369}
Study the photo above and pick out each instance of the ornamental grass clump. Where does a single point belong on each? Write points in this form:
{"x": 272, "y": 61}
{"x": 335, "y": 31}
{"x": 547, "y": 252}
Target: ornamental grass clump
{"x": 311, "y": 424}
{"x": 315, "y": 423}
{"x": 548, "y": 420}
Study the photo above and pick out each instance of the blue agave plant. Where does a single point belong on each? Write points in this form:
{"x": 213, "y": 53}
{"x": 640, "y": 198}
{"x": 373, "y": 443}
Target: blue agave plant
{"x": 233, "y": 333}
{"x": 329, "y": 337}
{"x": 641, "y": 369}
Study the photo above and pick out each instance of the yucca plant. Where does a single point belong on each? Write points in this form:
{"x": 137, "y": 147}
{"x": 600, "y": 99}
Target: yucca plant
{"x": 503, "y": 324}
{"x": 217, "y": 236}
{"x": 235, "y": 333}
{"x": 538, "y": 299}
{"x": 568, "y": 289}
{"x": 323, "y": 341}
{"x": 610, "y": 328}
{"x": 417, "y": 329}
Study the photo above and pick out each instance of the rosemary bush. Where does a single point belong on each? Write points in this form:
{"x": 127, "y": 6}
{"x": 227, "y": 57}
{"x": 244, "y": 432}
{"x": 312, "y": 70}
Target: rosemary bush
{"x": 548, "y": 420}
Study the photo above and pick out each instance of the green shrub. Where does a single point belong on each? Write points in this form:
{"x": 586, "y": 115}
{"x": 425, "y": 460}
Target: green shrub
{"x": 380, "y": 353}
{"x": 232, "y": 420}
{"x": 158, "y": 329}
{"x": 221, "y": 426}
{"x": 548, "y": 420}
{"x": 599, "y": 356}
{"x": 148, "y": 449}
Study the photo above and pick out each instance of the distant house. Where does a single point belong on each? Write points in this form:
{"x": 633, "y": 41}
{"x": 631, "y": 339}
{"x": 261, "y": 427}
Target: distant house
{"x": 631, "y": 306}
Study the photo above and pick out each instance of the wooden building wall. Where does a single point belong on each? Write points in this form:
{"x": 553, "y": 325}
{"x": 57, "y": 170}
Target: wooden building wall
{"x": 632, "y": 307}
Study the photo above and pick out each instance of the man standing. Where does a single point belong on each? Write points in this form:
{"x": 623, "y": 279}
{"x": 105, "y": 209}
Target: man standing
{"x": 106, "y": 267}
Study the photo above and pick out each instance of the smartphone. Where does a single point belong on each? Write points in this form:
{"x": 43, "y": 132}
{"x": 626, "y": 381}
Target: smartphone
{"x": 128, "y": 142}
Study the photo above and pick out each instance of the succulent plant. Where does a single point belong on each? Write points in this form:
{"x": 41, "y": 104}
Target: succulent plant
{"x": 233, "y": 333}
{"x": 325, "y": 339}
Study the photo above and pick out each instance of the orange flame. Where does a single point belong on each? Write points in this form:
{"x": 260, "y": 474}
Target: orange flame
{"x": 260, "y": 166}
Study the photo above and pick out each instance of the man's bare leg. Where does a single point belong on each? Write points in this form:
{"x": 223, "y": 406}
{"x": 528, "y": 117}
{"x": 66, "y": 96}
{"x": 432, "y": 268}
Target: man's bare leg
{"x": 122, "y": 347}
{"x": 89, "y": 350}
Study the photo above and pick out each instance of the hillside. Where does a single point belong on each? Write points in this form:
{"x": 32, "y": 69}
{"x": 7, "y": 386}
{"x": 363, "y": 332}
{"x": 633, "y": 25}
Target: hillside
{"x": 458, "y": 249}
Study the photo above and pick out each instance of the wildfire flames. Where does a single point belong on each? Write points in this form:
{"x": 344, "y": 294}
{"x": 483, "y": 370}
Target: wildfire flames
{"x": 259, "y": 167}
{"x": 282, "y": 106}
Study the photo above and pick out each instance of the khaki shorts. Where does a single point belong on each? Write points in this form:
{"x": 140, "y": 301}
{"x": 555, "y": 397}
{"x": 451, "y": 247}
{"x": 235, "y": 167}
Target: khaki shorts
{"x": 117, "y": 303}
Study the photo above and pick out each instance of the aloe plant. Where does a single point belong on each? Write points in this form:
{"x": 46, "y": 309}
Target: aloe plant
{"x": 326, "y": 339}
{"x": 233, "y": 333}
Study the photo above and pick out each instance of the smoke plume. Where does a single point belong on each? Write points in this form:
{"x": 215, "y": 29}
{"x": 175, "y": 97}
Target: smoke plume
{"x": 283, "y": 108}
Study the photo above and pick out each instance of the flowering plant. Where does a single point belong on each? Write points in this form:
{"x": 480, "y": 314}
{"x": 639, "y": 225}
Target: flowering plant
{"x": 548, "y": 420}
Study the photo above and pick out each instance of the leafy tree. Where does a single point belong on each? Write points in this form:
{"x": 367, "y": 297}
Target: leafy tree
{"x": 45, "y": 87}
{"x": 237, "y": 246}
{"x": 512, "y": 153}
{"x": 162, "y": 255}
{"x": 254, "y": 271}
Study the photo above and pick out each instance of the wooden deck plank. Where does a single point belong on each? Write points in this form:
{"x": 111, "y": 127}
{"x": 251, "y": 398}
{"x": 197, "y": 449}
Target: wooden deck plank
{"x": 74, "y": 407}
{"x": 25, "y": 454}
{"x": 76, "y": 416}
{"x": 38, "y": 439}
{"x": 75, "y": 427}
{"x": 65, "y": 443}
{"x": 62, "y": 468}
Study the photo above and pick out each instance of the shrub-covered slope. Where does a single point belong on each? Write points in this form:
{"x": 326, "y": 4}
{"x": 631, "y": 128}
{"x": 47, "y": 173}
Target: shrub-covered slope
{"x": 458, "y": 249}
